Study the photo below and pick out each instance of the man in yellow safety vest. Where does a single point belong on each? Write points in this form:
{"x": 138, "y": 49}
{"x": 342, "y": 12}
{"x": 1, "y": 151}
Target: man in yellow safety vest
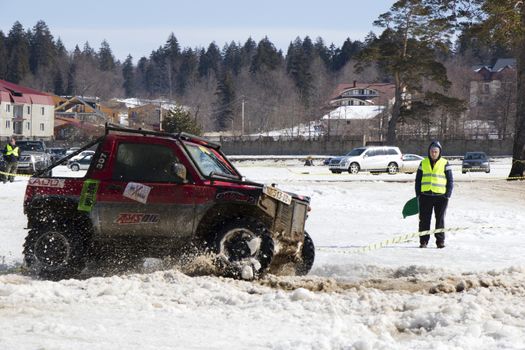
{"x": 434, "y": 184}
{"x": 11, "y": 156}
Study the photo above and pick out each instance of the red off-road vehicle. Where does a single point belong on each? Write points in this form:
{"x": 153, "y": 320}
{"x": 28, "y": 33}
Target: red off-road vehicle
{"x": 154, "y": 194}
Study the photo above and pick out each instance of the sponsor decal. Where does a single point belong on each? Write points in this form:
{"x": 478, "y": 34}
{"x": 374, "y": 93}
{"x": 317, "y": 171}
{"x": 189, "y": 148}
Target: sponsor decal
{"x": 137, "y": 218}
{"x": 137, "y": 192}
{"x": 88, "y": 195}
{"x": 37, "y": 182}
{"x": 233, "y": 196}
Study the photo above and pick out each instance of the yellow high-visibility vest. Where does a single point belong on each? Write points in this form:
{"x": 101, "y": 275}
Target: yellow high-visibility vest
{"x": 11, "y": 150}
{"x": 434, "y": 179}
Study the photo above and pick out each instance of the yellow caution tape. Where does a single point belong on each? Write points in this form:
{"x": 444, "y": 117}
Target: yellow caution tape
{"x": 398, "y": 239}
{"x": 10, "y": 174}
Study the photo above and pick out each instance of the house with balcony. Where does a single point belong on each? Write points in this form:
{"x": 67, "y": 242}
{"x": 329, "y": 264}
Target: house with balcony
{"x": 492, "y": 100}
{"x": 359, "y": 110}
{"x": 25, "y": 113}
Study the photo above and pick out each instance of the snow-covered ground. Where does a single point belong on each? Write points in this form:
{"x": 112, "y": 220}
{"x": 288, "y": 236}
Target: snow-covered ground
{"x": 466, "y": 296}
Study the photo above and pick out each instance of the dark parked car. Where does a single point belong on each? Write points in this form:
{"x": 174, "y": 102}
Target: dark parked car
{"x": 475, "y": 161}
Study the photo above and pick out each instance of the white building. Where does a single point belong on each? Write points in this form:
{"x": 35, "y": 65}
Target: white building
{"x": 25, "y": 113}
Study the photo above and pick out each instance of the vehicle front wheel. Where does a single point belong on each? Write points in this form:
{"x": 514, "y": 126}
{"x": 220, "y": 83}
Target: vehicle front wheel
{"x": 307, "y": 256}
{"x": 244, "y": 248}
{"x": 54, "y": 252}
{"x": 353, "y": 168}
{"x": 393, "y": 168}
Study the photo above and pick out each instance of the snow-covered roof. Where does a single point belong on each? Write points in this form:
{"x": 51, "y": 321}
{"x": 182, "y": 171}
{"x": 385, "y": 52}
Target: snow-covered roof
{"x": 133, "y": 102}
{"x": 354, "y": 112}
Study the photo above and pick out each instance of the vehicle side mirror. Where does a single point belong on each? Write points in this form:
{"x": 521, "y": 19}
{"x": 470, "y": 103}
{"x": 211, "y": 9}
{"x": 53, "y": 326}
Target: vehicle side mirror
{"x": 179, "y": 170}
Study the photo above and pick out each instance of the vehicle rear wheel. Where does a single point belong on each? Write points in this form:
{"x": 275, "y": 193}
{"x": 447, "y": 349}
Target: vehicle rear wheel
{"x": 75, "y": 167}
{"x": 54, "y": 252}
{"x": 353, "y": 168}
{"x": 244, "y": 248}
{"x": 307, "y": 256}
{"x": 393, "y": 168}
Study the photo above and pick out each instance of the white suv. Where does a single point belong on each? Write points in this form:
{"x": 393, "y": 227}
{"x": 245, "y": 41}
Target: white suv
{"x": 373, "y": 158}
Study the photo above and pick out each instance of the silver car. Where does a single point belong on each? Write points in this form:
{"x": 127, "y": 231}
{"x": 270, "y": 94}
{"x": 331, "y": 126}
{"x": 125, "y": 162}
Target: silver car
{"x": 411, "y": 163}
{"x": 80, "y": 164}
{"x": 372, "y": 158}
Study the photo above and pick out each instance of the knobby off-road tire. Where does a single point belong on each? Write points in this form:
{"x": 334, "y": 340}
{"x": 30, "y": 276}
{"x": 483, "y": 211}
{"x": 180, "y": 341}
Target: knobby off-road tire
{"x": 307, "y": 256}
{"x": 56, "y": 251}
{"x": 243, "y": 243}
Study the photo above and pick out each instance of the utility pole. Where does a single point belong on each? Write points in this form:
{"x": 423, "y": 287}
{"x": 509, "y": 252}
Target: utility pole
{"x": 160, "y": 115}
{"x": 242, "y": 116}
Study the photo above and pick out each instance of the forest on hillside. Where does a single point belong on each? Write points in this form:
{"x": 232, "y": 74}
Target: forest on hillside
{"x": 278, "y": 89}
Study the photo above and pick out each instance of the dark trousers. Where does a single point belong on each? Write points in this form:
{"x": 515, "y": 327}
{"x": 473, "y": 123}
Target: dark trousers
{"x": 426, "y": 205}
{"x": 10, "y": 167}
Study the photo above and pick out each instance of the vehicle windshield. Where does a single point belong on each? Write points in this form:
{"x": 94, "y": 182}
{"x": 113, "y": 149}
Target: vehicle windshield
{"x": 58, "y": 151}
{"x": 210, "y": 161}
{"x": 30, "y": 146}
{"x": 474, "y": 156}
{"x": 355, "y": 152}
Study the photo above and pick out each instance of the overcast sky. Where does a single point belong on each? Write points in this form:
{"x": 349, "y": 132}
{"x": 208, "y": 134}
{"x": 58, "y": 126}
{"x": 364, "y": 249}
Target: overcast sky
{"x": 139, "y": 27}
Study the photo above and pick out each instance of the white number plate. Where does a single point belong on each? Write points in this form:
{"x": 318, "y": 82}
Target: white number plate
{"x": 277, "y": 194}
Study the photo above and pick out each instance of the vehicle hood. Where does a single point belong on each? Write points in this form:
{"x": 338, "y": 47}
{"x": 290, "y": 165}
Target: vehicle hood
{"x": 34, "y": 153}
{"x": 250, "y": 188}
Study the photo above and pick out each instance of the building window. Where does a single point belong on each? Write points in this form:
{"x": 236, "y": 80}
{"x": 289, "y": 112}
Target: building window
{"x": 42, "y": 110}
{"x": 28, "y": 125}
{"x": 8, "y": 107}
{"x": 28, "y": 109}
{"x": 486, "y": 88}
{"x": 8, "y": 124}
{"x": 42, "y": 126}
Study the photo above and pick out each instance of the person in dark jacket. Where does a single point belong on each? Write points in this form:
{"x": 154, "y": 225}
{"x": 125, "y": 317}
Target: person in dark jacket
{"x": 434, "y": 184}
{"x": 11, "y": 155}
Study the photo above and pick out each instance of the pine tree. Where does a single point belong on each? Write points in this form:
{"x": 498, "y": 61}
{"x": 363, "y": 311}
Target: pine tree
{"x": 18, "y": 53}
{"x": 407, "y": 51}
{"x": 225, "y": 93}
{"x": 298, "y": 67}
{"x": 322, "y": 51}
{"x": 247, "y": 52}
{"x": 180, "y": 120}
{"x": 210, "y": 60}
{"x": 232, "y": 58}
{"x": 266, "y": 57}
{"x": 3, "y": 56}
{"x": 42, "y": 48}
{"x": 187, "y": 71}
{"x": 129, "y": 77}
{"x": 172, "y": 55}
{"x": 105, "y": 57}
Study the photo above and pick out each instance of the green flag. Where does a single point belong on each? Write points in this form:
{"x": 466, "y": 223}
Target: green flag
{"x": 411, "y": 207}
